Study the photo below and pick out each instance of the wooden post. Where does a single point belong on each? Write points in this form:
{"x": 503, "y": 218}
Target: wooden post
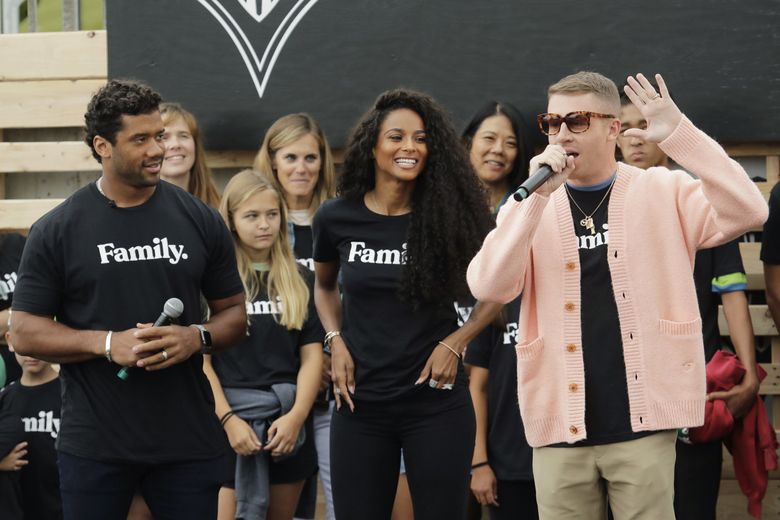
{"x": 772, "y": 169}
{"x": 2, "y": 175}
{"x": 70, "y": 15}
{"x": 32, "y": 16}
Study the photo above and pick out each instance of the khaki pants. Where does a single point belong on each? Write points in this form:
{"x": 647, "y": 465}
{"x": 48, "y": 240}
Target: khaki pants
{"x": 637, "y": 477}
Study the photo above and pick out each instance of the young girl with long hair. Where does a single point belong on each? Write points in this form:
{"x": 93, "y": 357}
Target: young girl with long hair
{"x": 264, "y": 388}
{"x": 296, "y": 156}
{"x": 409, "y": 217}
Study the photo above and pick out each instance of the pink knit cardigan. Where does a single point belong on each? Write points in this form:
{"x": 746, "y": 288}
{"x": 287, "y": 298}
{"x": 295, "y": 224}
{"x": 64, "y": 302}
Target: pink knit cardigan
{"x": 657, "y": 220}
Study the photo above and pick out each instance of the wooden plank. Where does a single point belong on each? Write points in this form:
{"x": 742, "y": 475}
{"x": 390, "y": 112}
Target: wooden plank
{"x": 732, "y": 504}
{"x": 771, "y": 384}
{"x": 68, "y": 156}
{"x": 56, "y": 55}
{"x": 772, "y": 169}
{"x": 230, "y": 158}
{"x": 752, "y": 149}
{"x": 763, "y": 325}
{"x": 45, "y": 104}
{"x": 20, "y": 214}
{"x": 75, "y": 156}
{"x": 754, "y": 268}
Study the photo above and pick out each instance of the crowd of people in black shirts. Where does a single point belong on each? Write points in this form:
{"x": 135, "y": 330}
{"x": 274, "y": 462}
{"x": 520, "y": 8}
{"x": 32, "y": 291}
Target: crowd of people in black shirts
{"x": 329, "y": 329}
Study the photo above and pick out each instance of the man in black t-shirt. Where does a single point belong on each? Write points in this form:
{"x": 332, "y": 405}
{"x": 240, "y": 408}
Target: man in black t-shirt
{"x": 103, "y": 263}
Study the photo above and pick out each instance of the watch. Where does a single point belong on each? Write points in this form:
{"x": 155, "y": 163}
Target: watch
{"x": 205, "y": 339}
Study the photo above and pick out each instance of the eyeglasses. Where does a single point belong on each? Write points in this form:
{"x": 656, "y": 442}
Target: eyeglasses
{"x": 577, "y": 122}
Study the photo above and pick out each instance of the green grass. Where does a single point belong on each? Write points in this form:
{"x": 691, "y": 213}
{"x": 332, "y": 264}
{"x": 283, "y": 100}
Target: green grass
{"x": 50, "y": 16}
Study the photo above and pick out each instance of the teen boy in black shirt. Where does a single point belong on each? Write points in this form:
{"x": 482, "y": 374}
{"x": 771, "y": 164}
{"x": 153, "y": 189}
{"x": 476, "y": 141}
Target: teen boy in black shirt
{"x": 103, "y": 263}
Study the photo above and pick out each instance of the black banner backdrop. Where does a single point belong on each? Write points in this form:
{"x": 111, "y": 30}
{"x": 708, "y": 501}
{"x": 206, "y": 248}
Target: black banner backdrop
{"x": 240, "y": 64}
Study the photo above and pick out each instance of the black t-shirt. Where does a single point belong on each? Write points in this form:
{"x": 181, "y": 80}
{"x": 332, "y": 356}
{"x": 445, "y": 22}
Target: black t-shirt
{"x": 389, "y": 341}
{"x": 270, "y": 354}
{"x": 36, "y": 410}
{"x": 11, "y": 246}
{"x": 606, "y": 392}
{"x": 494, "y": 349}
{"x": 99, "y": 267}
{"x": 716, "y": 271}
{"x": 302, "y": 245}
{"x": 770, "y": 244}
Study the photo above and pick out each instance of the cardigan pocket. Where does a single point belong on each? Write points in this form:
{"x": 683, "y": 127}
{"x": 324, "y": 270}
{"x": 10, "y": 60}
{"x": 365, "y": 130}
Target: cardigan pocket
{"x": 529, "y": 350}
{"x": 679, "y": 365}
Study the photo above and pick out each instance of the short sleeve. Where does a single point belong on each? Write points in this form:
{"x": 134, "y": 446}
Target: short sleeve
{"x": 324, "y": 248}
{"x": 727, "y": 269}
{"x": 221, "y": 278}
{"x": 11, "y": 431}
{"x": 480, "y": 350}
{"x": 312, "y": 331}
{"x": 39, "y": 288}
{"x": 770, "y": 245}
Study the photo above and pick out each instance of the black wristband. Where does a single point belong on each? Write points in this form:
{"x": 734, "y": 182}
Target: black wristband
{"x": 225, "y": 417}
{"x": 479, "y": 465}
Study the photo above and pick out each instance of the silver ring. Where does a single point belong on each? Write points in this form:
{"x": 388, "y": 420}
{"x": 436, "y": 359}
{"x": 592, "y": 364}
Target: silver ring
{"x": 337, "y": 391}
{"x": 433, "y": 383}
{"x": 447, "y": 386}
{"x": 656, "y": 96}
{"x": 165, "y": 355}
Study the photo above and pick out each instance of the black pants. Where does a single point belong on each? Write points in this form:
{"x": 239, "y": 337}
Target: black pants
{"x": 516, "y": 500}
{"x": 697, "y": 480}
{"x": 94, "y": 490}
{"x": 436, "y": 430}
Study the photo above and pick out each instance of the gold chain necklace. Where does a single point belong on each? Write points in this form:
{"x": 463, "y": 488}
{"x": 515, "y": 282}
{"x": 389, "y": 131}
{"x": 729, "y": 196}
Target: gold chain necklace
{"x": 587, "y": 222}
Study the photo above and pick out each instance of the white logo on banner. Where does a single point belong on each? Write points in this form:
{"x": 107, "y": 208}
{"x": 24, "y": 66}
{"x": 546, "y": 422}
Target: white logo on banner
{"x": 259, "y": 68}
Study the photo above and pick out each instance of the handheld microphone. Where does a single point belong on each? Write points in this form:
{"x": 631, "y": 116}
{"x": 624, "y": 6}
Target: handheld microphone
{"x": 533, "y": 182}
{"x": 171, "y": 310}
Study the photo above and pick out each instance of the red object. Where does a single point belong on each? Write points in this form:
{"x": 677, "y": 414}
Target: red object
{"x": 751, "y": 439}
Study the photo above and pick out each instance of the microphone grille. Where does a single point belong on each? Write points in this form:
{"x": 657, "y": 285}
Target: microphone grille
{"x": 173, "y": 308}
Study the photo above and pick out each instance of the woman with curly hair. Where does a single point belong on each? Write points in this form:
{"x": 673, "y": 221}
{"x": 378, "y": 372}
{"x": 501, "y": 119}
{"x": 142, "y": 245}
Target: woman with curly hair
{"x": 409, "y": 216}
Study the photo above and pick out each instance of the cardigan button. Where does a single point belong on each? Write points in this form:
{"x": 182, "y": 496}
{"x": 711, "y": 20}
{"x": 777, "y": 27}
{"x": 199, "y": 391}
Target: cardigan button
{"x": 573, "y": 387}
{"x": 571, "y": 347}
{"x": 569, "y": 306}
{"x": 573, "y": 429}
{"x": 570, "y": 266}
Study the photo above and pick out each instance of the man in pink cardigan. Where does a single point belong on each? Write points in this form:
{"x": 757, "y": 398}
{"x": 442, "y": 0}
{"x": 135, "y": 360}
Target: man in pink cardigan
{"x": 610, "y": 354}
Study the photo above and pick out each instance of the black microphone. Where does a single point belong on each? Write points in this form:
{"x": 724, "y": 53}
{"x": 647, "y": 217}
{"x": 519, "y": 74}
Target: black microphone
{"x": 533, "y": 182}
{"x": 171, "y": 310}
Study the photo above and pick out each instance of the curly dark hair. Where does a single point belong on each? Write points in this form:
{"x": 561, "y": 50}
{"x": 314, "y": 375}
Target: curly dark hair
{"x": 449, "y": 215}
{"x": 525, "y": 147}
{"x": 110, "y": 103}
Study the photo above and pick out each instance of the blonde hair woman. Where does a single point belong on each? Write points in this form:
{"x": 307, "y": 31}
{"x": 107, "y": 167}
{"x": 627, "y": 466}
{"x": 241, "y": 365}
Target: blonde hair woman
{"x": 296, "y": 156}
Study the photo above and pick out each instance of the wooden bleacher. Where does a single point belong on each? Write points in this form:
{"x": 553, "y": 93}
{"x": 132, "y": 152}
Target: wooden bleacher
{"x": 46, "y": 80}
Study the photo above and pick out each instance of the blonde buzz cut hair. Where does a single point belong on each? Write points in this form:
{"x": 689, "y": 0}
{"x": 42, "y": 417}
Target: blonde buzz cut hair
{"x": 586, "y": 82}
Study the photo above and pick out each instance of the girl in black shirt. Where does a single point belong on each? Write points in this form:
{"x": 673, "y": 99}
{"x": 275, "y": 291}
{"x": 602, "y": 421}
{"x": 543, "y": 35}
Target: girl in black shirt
{"x": 409, "y": 217}
{"x": 296, "y": 156}
{"x": 282, "y": 355}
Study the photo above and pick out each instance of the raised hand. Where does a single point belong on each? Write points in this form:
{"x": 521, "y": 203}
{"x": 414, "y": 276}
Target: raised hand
{"x": 657, "y": 108}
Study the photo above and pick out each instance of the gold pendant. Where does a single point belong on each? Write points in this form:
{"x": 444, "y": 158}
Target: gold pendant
{"x": 587, "y": 223}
